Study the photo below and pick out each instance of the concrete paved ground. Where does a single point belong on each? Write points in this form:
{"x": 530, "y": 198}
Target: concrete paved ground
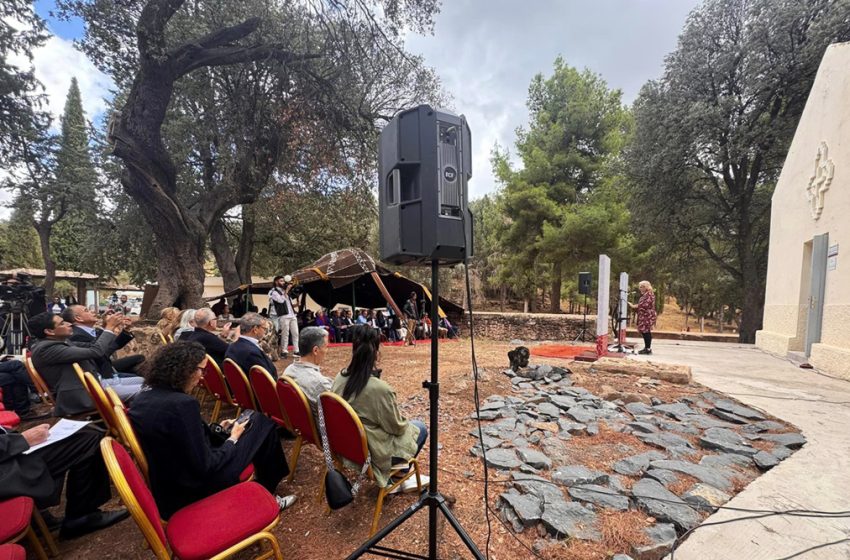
{"x": 816, "y": 477}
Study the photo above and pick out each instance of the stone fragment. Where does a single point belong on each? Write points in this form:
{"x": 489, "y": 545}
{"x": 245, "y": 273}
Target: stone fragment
{"x": 643, "y": 427}
{"x": 504, "y": 459}
{"x": 573, "y": 428}
{"x": 546, "y": 426}
{"x": 487, "y": 414}
{"x": 548, "y": 409}
{"x": 507, "y": 514}
{"x": 671, "y": 442}
{"x": 707, "y": 475}
{"x": 765, "y": 461}
{"x": 576, "y": 474}
{"x": 563, "y": 402}
{"x": 781, "y": 452}
{"x": 680, "y": 427}
{"x": 790, "y": 440}
{"x": 593, "y": 429}
{"x": 527, "y": 507}
{"x": 622, "y": 557}
{"x": 581, "y": 414}
{"x": 600, "y": 496}
{"x": 636, "y": 464}
{"x": 662, "y": 504}
{"x": 727, "y": 441}
{"x": 726, "y": 460}
{"x": 534, "y": 458}
{"x": 737, "y": 409}
{"x": 569, "y": 519}
{"x": 679, "y": 411}
{"x": 543, "y": 489}
{"x": 637, "y": 408}
{"x": 764, "y": 426}
{"x": 728, "y": 416}
{"x": 663, "y": 476}
{"x": 493, "y": 405}
{"x": 705, "y": 497}
{"x": 661, "y": 538}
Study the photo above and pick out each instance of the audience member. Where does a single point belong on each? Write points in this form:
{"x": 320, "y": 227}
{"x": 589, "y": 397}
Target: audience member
{"x": 323, "y": 321}
{"x": 307, "y": 372}
{"x": 167, "y": 319}
{"x": 53, "y": 356}
{"x": 411, "y": 314}
{"x": 120, "y": 305}
{"x": 383, "y": 325}
{"x": 16, "y": 385}
{"x": 362, "y": 318}
{"x": 282, "y": 313}
{"x": 41, "y": 476}
{"x": 225, "y": 315}
{"x": 246, "y": 351}
{"x": 185, "y": 464}
{"x": 392, "y": 439}
{"x": 219, "y": 306}
{"x": 338, "y": 325}
{"x": 85, "y": 334}
{"x": 451, "y": 330}
{"x": 186, "y": 325}
{"x": 205, "y": 334}
{"x": 56, "y": 306}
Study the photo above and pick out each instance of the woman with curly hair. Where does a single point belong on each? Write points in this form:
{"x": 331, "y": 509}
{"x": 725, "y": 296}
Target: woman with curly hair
{"x": 185, "y": 462}
{"x": 646, "y": 315}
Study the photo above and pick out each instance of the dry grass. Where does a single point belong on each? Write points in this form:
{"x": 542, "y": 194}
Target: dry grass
{"x": 683, "y": 484}
{"x": 762, "y": 445}
{"x": 575, "y": 549}
{"x": 621, "y": 530}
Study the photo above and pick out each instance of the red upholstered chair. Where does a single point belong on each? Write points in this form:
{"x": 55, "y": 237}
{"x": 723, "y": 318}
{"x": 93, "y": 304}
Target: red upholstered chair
{"x": 128, "y": 436}
{"x": 16, "y": 517}
{"x": 263, "y": 385}
{"x": 347, "y": 440}
{"x": 12, "y": 552}
{"x": 213, "y": 382}
{"x": 300, "y": 415}
{"x": 213, "y": 528}
{"x": 243, "y": 395}
{"x": 37, "y": 380}
{"x": 101, "y": 401}
{"x": 8, "y": 418}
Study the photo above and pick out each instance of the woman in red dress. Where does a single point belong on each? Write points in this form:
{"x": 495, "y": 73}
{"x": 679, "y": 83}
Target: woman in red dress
{"x": 646, "y": 315}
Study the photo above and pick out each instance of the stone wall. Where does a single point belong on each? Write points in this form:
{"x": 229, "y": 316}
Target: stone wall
{"x": 529, "y": 326}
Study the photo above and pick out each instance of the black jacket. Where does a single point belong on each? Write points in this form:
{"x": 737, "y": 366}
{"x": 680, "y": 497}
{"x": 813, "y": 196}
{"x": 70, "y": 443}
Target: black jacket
{"x": 54, "y": 358}
{"x": 215, "y": 346}
{"x": 410, "y": 310}
{"x": 104, "y": 365}
{"x": 247, "y": 355}
{"x": 21, "y": 475}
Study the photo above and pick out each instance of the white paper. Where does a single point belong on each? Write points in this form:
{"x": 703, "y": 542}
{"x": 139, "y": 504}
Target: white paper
{"x": 62, "y": 429}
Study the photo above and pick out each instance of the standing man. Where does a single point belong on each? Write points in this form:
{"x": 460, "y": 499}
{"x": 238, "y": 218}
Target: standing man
{"x": 282, "y": 313}
{"x": 412, "y": 315}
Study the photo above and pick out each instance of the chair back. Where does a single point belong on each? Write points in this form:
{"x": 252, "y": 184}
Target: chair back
{"x": 128, "y": 434}
{"x": 264, "y": 389}
{"x": 135, "y": 494}
{"x": 346, "y": 435}
{"x": 170, "y": 338}
{"x": 297, "y": 409}
{"x": 162, "y": 338}
{"x": 213, "y": 381}
{"x": 38, "y": 381}
{"x": 114, "y": 398}
{"x": 99, "y": 398}
{"x": 243, "y": 395}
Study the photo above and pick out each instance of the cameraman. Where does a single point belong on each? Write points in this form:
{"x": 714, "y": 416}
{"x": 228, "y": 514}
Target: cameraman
{"x": 282, "y": 314}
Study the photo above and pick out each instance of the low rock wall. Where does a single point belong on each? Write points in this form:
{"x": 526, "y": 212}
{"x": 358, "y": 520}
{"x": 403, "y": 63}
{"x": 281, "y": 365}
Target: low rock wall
{"x": 530, "y": 326}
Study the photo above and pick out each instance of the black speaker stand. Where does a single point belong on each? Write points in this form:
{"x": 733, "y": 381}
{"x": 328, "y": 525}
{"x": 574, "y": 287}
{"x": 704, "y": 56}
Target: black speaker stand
{"x": 583, "y": 332}
{"x": 430, "y": 499}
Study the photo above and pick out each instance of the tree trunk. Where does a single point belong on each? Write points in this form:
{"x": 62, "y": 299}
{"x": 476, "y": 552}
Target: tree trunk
{"x": 245, "y": 251}
{"x": 532, "y": 301}
{"x": 180, "y": 273}
{"x": 503, "y": 296}
{"x": 49, "y": 264}
{"x": 555, "y": 303}
{"x": 752, "y": 309}
{"x": 720, "y": 320}
{"x": 224, "y": 257}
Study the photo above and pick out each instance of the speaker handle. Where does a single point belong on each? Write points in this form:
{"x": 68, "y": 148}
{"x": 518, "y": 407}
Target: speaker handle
{"x": 395, "y": 186}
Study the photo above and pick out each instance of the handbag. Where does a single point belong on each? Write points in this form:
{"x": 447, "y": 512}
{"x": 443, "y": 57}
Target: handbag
{"x": 339, "y": 492}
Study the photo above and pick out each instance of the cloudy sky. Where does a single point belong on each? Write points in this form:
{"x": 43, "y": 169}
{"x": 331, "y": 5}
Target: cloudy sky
{"x": 485, "y": 52}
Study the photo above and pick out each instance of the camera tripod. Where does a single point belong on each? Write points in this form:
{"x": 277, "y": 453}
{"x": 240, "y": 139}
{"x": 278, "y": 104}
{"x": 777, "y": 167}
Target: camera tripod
{"x": 12, "y": 334}
{"x": 583, "y": 334}
{"x": 430, "y": 499}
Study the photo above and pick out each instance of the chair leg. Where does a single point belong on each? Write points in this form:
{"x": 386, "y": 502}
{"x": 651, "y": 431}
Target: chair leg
{"x": 322, "y": 486}
{"x": 216, "y": 411}
{"x": 296, "y": 451}
{"x": 52, "y": 549}
{"x": 378, "y": 507}
{"x": 36, "y": 544}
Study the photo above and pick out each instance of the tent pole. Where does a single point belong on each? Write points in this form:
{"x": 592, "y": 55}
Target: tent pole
{"x": 380, "y": 283}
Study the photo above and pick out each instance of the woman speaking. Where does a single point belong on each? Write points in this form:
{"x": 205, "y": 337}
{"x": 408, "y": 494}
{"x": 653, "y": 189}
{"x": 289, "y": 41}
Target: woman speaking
{"x": 646, "y": 315}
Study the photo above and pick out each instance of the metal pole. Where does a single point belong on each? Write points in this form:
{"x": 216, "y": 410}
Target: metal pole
{"x": 434, "y": 393}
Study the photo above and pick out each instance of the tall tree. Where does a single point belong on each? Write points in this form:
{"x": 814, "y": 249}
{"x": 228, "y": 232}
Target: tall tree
{"x": 19, "y": 246}
{"x": 712, "y": 134}
{"x": 155, "y": 44}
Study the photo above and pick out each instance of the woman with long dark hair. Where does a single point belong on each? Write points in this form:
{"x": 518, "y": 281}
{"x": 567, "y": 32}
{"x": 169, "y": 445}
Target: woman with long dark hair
{"x": 186, "y": 462}
{"x": 392, "y": 438}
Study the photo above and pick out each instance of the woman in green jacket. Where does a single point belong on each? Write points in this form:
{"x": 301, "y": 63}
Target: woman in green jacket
{"x": 392, "y": 438}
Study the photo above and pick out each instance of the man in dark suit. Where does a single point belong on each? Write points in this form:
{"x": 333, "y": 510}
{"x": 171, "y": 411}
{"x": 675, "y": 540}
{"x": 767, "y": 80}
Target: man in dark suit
{"x": 53, "y": 357}
{"x": 205, "y": 334}
{"x": 84, "y": 334}
{"x": 41, "y": 476}
{"x": 246, "y": 350}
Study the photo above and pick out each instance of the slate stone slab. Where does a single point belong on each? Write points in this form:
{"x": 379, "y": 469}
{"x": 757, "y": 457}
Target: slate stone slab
{"x": 563, "y": 402}
{"x": 638, "y": 408}
{"x": 504, "y": 459}
{"x": 707, "y": 475}
{"x": 739, "y": 410}
{"x": 493, "y": 405}
{"x": 581, "y": 414}
{"x": 642, "y": 427}
{"x": 680, "y": 427}
{"x": 661, "y": 537}
{"x": 534, "y": 458}
{"x": 781, "y": 452}
{"x": 662, "y": 504}
{"x": 487, "y": 414}
{"x": 578, "y": 475}
{"x": 528, "y": 508}
{"x": 765, "y": 461}
{"x": 728, "y": 416}
{"x": 792, "y": 440}
{"x": 705, "y": 497}
{"x": 636, "y": 464}
{"x": 574, "y": 428}
{"x": 548, "y": 409}
{"x": 764, "y": 426}
{"x": 569, "y": 519}
{"x": 599, "y": 495}
{"x": 679, "y": 411}
{"x": 725, "y": 460}
{"x": 544, "y": 490}
{"x": 671, "y": 442}
{"x": 663, "y": 476}
{"x": 727, "y": 441}
{"x": 622, "y": 557}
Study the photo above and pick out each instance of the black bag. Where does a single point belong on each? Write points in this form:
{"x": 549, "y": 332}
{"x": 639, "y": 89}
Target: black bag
{"x": 218, "y": 435}
{"x": 337, "y": 489}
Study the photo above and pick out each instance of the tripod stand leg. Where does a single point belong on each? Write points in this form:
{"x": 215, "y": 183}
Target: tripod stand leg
{"x": 467, "y": 540}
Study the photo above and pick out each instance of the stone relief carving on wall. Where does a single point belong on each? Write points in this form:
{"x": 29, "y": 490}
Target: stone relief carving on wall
{"x": 820, "y": 180}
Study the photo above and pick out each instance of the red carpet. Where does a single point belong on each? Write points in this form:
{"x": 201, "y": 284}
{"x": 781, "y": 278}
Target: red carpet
{"x": 566, "y": 351}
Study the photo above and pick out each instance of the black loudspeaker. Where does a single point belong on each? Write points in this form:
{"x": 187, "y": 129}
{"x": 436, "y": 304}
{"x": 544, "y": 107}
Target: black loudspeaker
{"x": 424, "y": 163}
{"x": 584, "y": 281}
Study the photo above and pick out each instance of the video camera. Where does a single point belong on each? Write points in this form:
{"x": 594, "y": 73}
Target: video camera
{"x": 20, "y": 295}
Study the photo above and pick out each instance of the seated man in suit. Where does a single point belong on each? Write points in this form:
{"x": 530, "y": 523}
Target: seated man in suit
{"x": 53, "y": 356}
{"x": 246, "y": 350}
{"x": 206, "y": 335}
{"x": 41, "y": 476}
{"x": 84, "y": 334}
